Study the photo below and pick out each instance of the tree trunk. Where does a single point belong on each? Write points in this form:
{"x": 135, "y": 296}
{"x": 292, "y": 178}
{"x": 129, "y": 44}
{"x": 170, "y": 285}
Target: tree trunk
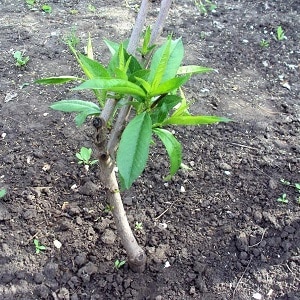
{"x": 136, "y": 255}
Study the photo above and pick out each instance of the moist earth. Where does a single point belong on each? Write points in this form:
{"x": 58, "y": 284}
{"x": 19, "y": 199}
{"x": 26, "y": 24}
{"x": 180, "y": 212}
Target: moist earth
{"x": 217, "y": 229}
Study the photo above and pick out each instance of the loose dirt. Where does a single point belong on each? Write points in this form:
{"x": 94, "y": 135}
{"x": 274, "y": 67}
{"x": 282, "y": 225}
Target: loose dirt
{"x": 216, "y": 231}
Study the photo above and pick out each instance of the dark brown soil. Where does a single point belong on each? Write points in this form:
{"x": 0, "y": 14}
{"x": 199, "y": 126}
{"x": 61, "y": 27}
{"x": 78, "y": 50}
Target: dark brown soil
{"x": 214, "y": 232}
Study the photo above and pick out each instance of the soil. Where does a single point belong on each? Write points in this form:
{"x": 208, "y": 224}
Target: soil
{"x": 216, "y": 231}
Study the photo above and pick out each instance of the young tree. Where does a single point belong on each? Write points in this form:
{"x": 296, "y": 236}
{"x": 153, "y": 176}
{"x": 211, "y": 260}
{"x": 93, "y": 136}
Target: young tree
{"x": 146, "y": 92}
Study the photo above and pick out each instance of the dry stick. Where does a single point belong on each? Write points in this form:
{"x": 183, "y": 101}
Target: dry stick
{"x": 263, "y": 234}
{"x": 243, "y": 146}
{"x": 233, "y": 294}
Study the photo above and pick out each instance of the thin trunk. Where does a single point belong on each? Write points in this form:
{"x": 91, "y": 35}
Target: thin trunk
{"x": 136, "y": 255}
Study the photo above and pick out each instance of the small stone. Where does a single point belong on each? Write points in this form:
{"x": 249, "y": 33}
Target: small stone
{"x": 6, "y": 278}
{"x": 78, "y": 221}
{"x": 86, "y": 271}
{"x": 108, "y": 237}
{"x": 241, "y": 242}
{"x": 192, "y": 290}
{"x": 243, "y": 255}
{"x": 257, "y": 216}
{"x": 29, "y": 214}
{"x": 273, "y": 184}
{"x": 4, "y": 213}
{"x": 63, "y": 294}
{"x": 225, "y": 167}
{"x": 200, "y": 284}
{"x": 127, "y": 201}
{"x": 57, "y": 244}
{"x": 38, "y": 278}
{"x": 289, "y": 229}
{"x": 257, "y": 296}
{"x": 80, "y": 259}
{"x": 51, "y": 270}
{"x": 88, "y": 189}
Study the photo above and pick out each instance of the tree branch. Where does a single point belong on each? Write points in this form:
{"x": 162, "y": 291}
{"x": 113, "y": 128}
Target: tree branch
{"x": 160, "y": 21}
{"x": 138, "y": 27}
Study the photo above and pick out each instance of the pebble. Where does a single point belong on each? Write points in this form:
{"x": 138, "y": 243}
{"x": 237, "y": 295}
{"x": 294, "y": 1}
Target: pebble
{"x": 29, "y": 214}
{"x": 257, "y": 216}
{"x": 127, "y": 201}
{"x": 63, "y": 294}
{"x": 241, "y": 241}
{"x": 273, "y": 184}
{"x": 50, "y": 270}
{"x": 4, "y": 213}
{"x": 86, "y": 271}
{"x": 38, "y": 278}
{"x": 225, "y": 167}
{"x": 88, "y": 189}
{"x": 108, "y": 237}
{"x": 80, "y": 259}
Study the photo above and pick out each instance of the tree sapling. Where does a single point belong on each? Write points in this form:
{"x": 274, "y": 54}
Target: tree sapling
{"x": 138, "y": 97}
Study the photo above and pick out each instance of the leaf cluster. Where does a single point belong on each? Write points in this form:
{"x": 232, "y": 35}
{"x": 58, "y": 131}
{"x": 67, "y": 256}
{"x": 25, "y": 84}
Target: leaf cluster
{"x": 151, "y": 88}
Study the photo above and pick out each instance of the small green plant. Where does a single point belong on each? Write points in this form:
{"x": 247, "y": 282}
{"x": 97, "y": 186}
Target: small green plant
{"x": 20, "y": 59}
{"x": 264, "y": 43}
{"x": 138, "y": 226}
{"x": 296, "y": 186}
{"x": 46, "y": 8}
{"x": 2, "y": 193}
{"x": 38, "y": 246}
{"x": 205, "y": 6}
{"x": 71, "y": 38}
{"x": 74, "y": 11}
{"x": 108, "y": 208}
{"x": 84, "y": 156}
{"x": 30, "y": 3}
{"x": 119, "y": 263}
{"x": 91, "y": 8}
{"x": 283, "y": 199}
{"x": 280, "y": 34}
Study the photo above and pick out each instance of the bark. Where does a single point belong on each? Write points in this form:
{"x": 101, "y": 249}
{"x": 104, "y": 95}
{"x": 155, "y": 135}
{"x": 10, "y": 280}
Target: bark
{"x": 136, "y": 255}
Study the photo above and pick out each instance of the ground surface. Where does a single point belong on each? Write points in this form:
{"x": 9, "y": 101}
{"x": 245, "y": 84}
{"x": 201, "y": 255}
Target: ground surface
{"x": 226, "y": 236}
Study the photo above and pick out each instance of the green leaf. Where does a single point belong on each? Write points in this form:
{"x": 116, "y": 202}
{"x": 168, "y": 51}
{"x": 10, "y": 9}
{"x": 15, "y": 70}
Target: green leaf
{"x": 163, "y": 107}
{"x": 169, "y": 85}
{"x": 133, "y": 150}
{"x": 173, "y": 148}
{"x": 193, "y": 70}
{"x": 57, "y": 80}
{"x": 194, "y": 120}
{"x": 85, "y": 153}
{"x": 2, "y": 193}
{"x": 76, "y": 106}
{"x": 115, "y": 85}
{"x": 166, "y": 61}
{"x": 114, "y": 47}
{"x": 115, "y": 62}
{"x": 92, "y": 68}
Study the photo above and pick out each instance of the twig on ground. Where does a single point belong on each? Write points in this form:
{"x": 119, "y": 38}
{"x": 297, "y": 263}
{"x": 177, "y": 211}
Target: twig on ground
{"x": 260, "y": 239}
{"x": 158, "y": 217}
{"x": 243, "y": 146}
{"x": 238, "y": 283}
